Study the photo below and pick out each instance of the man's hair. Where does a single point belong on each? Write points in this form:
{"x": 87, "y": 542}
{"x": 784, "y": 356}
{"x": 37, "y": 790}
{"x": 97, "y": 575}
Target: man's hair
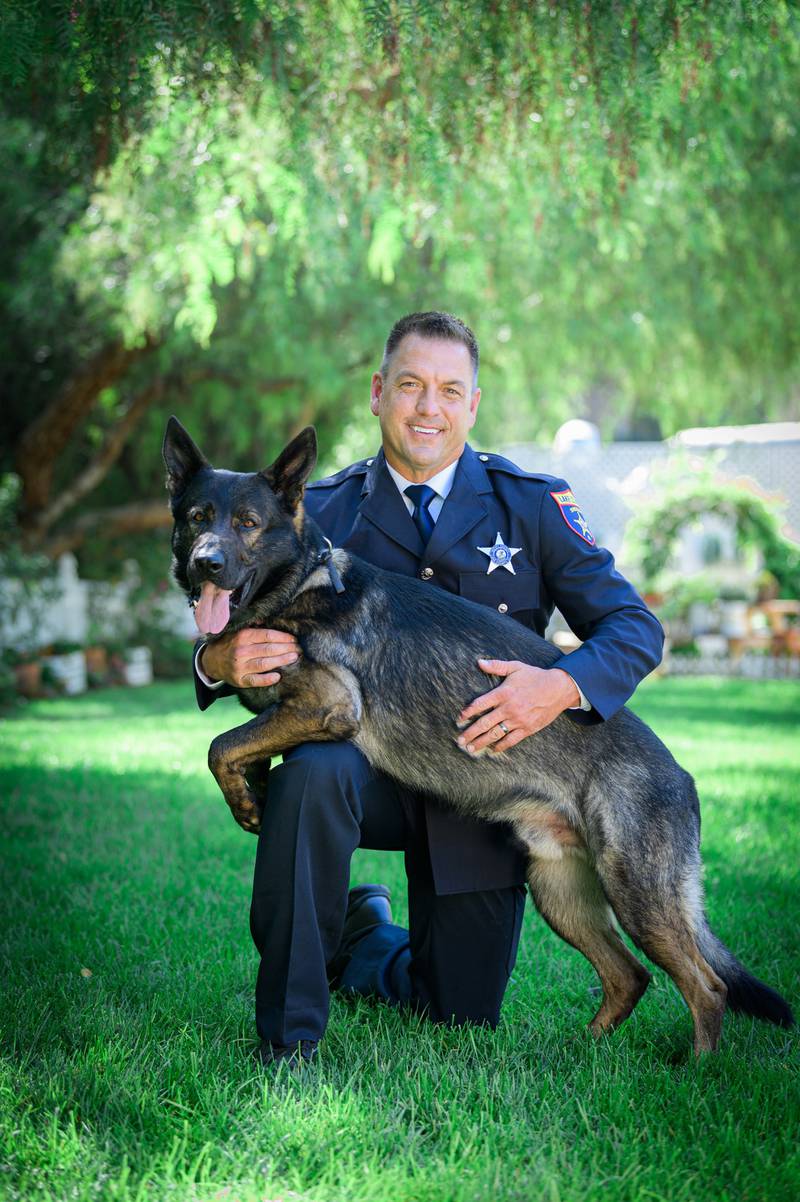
{"x": 432, "y": 325}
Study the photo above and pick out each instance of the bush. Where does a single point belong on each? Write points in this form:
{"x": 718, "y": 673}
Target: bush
{"x": 685, "y": 496}
{"x": 172, "y": 655}
{"x": 8, "y": 684}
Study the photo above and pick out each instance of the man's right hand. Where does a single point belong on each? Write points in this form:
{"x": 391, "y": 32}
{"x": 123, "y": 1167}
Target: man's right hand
{"x": 249, "y": 658}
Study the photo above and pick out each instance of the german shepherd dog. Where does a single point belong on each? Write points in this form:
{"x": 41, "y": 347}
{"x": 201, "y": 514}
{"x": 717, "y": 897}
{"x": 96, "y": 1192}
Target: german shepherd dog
{"x": 610, "y": 821}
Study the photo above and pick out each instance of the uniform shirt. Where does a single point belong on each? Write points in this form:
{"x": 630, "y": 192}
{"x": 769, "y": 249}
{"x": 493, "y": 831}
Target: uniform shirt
{"x": 441, "y": 483}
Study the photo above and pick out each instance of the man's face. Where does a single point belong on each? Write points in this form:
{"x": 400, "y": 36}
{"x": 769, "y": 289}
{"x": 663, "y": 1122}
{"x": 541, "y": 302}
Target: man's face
{"x": 426, "y": 405}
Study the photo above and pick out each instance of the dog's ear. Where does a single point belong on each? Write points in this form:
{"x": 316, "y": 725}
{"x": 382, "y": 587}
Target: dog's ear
{"x": 182, "y": 457}
{"x": 288, "y": 474}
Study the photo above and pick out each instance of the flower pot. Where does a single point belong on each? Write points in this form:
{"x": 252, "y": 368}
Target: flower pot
{"x": 29, "y": 678}
{"x": 138, "y": 668}
{"x": 97, "y": 662}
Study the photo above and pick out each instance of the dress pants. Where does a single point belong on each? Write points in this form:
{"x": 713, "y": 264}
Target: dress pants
{"x": 323, "y": 801}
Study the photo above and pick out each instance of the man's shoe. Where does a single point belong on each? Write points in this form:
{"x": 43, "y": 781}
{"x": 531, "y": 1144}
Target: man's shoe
{"x": 368, "y": 906}
{"x": 296, "y": 1054}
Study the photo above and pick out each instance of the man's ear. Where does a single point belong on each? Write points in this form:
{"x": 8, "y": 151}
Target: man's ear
{"x": 288, "y": 474}
{"x": 182, "y": 457}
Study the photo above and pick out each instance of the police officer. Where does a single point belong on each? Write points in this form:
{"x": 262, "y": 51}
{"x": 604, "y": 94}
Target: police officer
{"x": 427, "y": 505}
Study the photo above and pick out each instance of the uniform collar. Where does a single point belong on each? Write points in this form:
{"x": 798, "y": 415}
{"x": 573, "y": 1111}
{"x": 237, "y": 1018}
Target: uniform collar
{"x": 441, "y": 483}
{"x": 469, "y": 464}
{"x": 382, "y": 504}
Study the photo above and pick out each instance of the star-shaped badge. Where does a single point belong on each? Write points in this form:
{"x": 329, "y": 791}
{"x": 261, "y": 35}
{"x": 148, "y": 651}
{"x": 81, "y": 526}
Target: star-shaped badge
{"x": 500, "y": 555}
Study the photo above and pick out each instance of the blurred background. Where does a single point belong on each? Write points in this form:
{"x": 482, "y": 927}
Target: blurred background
{"x": 218, "y": 210}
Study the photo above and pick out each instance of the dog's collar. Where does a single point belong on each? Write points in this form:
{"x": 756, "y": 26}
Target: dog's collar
{"x": 326, "y": 559}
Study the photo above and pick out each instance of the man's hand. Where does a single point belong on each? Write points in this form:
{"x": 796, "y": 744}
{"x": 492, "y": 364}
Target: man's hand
{"x": 249, "y": 658}
{"x": 528, "y": 700}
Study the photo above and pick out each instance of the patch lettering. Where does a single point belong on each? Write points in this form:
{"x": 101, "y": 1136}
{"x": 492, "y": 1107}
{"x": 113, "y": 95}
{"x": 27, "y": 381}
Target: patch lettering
{"x": 570, "y": 512}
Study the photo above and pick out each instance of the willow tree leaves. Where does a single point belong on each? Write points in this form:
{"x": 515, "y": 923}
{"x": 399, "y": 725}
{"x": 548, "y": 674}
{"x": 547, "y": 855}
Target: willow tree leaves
{"x": 254, "y": 190}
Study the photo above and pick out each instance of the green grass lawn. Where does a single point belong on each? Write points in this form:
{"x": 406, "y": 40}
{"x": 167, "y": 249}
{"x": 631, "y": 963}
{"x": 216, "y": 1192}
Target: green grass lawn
{"x": 127, "y": 1033}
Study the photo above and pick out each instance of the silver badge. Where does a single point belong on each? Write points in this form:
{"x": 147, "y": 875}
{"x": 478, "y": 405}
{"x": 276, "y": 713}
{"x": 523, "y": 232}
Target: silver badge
{"x": 500, "y": 555}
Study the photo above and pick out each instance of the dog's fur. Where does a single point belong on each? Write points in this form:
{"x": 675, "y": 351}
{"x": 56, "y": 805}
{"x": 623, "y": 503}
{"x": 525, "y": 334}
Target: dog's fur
{"x": 609, "y": 819}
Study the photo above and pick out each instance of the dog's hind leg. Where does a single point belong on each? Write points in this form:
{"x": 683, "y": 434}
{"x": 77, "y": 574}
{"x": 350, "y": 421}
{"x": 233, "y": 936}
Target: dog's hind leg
{"x": 569, "y": 896}
{"x": 660, "y": 915}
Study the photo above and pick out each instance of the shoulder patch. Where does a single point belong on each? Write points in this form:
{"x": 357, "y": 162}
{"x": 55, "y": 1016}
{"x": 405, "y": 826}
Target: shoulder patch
{"x": 570, "y": 512}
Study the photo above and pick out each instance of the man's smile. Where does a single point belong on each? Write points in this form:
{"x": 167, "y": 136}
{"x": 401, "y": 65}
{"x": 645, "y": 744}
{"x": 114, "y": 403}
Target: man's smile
{"x": 428, "y": 431}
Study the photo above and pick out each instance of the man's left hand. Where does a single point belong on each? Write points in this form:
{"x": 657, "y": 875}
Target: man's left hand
{"x": 528, "y": 700}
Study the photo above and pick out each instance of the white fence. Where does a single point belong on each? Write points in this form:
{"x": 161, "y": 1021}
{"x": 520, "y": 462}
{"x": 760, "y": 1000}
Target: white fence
{"x": 750, "y": 667}
{"x": 67, "y": 609}
{"x": 71, "y": 610}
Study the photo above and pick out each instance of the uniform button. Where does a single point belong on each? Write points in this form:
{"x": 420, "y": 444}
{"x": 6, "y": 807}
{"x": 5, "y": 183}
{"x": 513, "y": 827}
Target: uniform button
{"x": 426, "y": 573}
{"x": 484, "y": 458}
{"x": 370, "y": 462}
{"x": 503, "y": 607}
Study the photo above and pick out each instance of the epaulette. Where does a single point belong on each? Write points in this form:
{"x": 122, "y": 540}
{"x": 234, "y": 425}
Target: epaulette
{"x": 498, "y": 463}
{"x": 355, "y": 469}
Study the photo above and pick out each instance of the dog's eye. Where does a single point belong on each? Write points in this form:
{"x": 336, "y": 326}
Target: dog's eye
{"x": 196, "y": 515}
{"x": 248, "y": 523}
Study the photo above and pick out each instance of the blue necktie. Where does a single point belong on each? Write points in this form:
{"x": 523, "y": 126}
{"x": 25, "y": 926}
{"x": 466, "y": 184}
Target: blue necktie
{"x": 422, "y": 495}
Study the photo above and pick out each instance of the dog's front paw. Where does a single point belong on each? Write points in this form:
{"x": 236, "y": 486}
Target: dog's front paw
{"x": 253, "y": 827}
{"x": 244, "y": 805}
{"x": 247, "y": 813}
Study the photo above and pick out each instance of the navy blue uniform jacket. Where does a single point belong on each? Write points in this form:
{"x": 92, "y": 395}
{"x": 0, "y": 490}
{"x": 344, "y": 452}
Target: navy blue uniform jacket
{"x": 361, "y": 510}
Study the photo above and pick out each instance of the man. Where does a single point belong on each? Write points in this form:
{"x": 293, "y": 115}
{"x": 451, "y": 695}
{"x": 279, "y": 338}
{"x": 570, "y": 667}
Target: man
{"x": 426, "y": 505}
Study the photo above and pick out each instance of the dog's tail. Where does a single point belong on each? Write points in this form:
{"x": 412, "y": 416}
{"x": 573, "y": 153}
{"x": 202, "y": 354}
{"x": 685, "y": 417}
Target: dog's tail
{"x": 746, "y": 994}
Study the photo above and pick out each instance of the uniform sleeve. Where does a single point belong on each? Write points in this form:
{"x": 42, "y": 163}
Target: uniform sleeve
{"x": 206, "y": 695}
{"x": 622, "y": 641}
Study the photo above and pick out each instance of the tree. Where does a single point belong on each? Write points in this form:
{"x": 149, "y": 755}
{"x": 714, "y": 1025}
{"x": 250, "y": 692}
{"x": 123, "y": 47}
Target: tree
{"x": 220, "y": 209}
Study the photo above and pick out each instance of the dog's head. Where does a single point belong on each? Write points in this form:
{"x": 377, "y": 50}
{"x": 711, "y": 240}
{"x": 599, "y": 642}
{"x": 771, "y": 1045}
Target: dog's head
{"x": 236, "y": 533}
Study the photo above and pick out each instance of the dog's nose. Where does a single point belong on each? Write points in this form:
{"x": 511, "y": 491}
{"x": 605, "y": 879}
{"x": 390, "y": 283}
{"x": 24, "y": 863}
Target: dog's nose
{"x": 211, "y": 562}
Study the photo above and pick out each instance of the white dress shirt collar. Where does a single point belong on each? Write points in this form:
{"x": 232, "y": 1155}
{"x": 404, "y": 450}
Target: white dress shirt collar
{"x": 441, "y": 483}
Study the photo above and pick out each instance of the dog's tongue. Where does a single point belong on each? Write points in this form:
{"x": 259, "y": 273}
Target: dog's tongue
{"x": 213, "y": 609}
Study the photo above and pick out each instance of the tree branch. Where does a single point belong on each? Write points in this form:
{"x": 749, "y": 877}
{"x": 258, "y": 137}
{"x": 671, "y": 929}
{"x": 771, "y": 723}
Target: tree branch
{"x": 268, "y": 384}
{"x": 121, "y": 519}
{"x": 99, "y": 467}
{"x": 48, "y": 434}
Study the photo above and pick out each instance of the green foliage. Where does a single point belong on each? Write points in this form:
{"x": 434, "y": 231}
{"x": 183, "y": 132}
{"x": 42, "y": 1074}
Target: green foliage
{"x": 682, "y": 592}
{"x": 685, "y": 497}
{"x": 606, "y": 192}
{"x": 171, "y": 655}
{"x": 8, "y": 683}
